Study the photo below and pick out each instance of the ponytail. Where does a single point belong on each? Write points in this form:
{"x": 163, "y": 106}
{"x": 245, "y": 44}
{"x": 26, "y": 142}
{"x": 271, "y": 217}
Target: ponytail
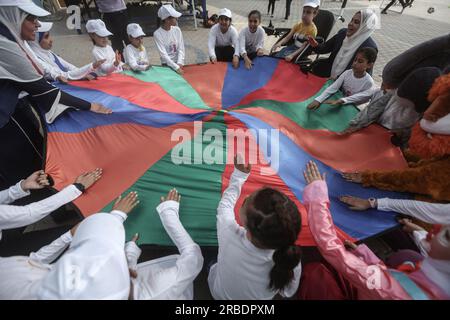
{"x": 282, "y": 273}
{"x": 274, "y": 222}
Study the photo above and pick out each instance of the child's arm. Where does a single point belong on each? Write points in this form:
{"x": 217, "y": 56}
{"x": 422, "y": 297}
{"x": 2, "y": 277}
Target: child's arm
{"x": 356, "y": 270}
{"x": 293, "y": 55}
{"x": 360, "y": 97}
{"x": 107, "y": 67}
{"x": 225, "y": 210}
{"x": 284, "y": 40}
{"x": 332, "y": 89}
{"x": 130, "y": 59}
{"x": 181, "y": 49}
{"x": 212, "y": 44}
{"x": 50, "y": 252}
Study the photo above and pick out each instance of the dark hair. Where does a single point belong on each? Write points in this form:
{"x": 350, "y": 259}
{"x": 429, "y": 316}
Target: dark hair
{"x": 256, "y": 12}
{"x": 370, "y": 54}
{"x": 274, "y": 222}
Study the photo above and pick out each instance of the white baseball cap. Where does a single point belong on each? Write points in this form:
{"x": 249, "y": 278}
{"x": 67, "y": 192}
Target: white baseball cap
{"x": 167, "y": 11}
{"x": 98, "y": 27}
{"x": 312, "y": 3}
{"x": 225, "y": 12}
{"x": 45, "y": 26}
{"x": 135, "y": 30}
{"x": 25, "y": 5}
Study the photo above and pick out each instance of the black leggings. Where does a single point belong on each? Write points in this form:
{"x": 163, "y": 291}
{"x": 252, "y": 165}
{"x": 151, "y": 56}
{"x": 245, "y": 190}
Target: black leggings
{"x": 271, "y": 4}
{"x": 225, "y": 53}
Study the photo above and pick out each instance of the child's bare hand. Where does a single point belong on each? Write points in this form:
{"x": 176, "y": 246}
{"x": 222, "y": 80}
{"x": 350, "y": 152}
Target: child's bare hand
{"x": 260, "y": 52}
{"x": 235, "y": 62}
{"x": 213, "y": 60}
{"x": 312, "y": 173}
{"x": 127, "y": 203}
{"x": 248, "y": 63}
{"x": 312, "y": 42}
{"x": 89, "y": 178}
{"x": 239, "y": 164}
{"x": 98, "y": 63}
{"x": 314, "y": 105}
{"x": 409, "y": 226}
{"x": 62, "y": 79}
{"x": 289, "y": 58}
{"x": 98, "y": 108}
{"x": 173, "y": 195}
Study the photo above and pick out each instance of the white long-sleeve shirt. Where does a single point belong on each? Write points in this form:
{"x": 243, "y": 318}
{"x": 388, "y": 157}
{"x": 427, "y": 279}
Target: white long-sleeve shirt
{"x": 250, "y": 42}
{"x": 356, "y": 90}
{"x": 20, "y": 216}
{"x": 170, "y": 45}
{"x": 171, "y": 277}
{"x": 107, "y": 53}
{"x": 218, "y": 39}
{"x": 242, "y": 270}
{"x": 53, "y": 71}
{"x": 441, "y": 126}
{"x": 136, "y": 58}
{"x": 434, "y": 213}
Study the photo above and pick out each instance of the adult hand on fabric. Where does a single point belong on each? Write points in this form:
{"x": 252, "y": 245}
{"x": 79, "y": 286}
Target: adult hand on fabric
{"x": 36, "y": 180}
{"x": 98, "y": 108}
{"x": 87, "y": 179}
{"x": 173, "y": 195}
{"x": 334, "y": 102}
{"x": 314, "y": 105}
{"x": 240, "y": 165}
{"x": 355, "y": 203}
{"x": 312, "y": 173}
{"x": 98, "y": 63}
{"x": 213, "y": 60}
{"x": 355, "y": 177}
{"x": 235, "y": 62}
{"x": 127, "y": 203}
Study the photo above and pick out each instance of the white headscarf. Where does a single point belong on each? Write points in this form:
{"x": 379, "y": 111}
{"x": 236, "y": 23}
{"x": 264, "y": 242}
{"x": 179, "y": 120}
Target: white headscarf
{"x": 17, "y": 62}
{"x": 94, "y": 267}
{"x": 369, "y": 22}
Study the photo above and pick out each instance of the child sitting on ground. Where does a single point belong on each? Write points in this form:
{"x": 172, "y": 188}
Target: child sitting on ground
{"x": 55, "y": 67}
{"x": 102, "y": 50}
{"x": 357, "y": 84}
{"x": 135, "y": 53}
{"x": 258, "y": 259}
{"x": 251, "y": 39}
{"x": 299, "y": 32}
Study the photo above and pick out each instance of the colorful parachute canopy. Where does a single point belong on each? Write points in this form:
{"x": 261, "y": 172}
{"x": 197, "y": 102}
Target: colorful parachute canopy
{"x": 138, "y": 150}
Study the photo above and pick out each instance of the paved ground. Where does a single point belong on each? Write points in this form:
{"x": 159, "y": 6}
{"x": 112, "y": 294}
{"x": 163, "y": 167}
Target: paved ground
{"x": 397, "y": 32}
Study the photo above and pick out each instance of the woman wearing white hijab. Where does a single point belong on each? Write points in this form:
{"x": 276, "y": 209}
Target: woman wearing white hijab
{"x": 344, "y": 45}
{"x": 55, "y": 67}
{"x": 93, "y": 267}
{"x": 21, "y": 75}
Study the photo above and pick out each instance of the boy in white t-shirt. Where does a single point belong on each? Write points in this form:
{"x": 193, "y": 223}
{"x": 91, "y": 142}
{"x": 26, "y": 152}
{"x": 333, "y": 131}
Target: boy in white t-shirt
{"x": 169, "y": 39}
{"x": 356, "y": 84}
{"x": 251, "y": 39}
{"x": 102, "y": 50}
{"x": 135, "y": 53}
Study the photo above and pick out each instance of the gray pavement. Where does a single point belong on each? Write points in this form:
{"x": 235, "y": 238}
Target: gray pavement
{"x": 398, "y": 32}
